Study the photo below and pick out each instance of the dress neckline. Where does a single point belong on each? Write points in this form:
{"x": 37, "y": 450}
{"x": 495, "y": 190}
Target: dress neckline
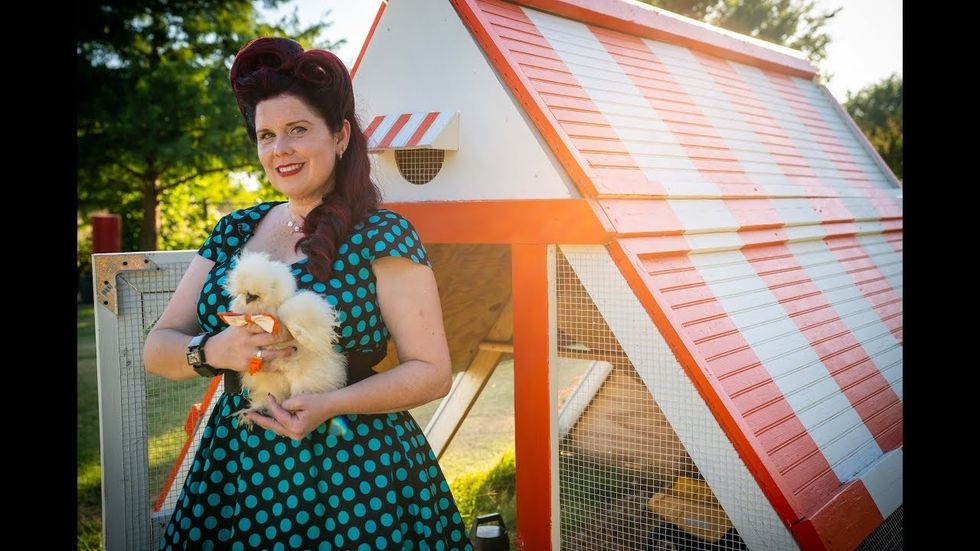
{"x": 255, "y": 226}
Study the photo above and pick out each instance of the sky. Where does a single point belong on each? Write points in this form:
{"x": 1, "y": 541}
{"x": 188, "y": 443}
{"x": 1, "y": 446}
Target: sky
{"x": 865, "y": 47}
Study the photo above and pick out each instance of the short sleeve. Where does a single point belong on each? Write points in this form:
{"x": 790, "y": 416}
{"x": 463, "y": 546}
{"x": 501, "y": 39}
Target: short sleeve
{"x": 216, "y": 246}
{"x": 387, "y": 233}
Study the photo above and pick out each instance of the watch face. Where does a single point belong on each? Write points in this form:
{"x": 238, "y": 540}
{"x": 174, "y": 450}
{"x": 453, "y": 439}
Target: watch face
{"x": 194, "y": 357}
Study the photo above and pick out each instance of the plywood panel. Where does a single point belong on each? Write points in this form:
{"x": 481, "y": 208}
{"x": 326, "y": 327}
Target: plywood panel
{"x": 474, "y": 287}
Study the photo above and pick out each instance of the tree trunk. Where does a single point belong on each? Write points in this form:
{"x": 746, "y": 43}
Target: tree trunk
{"x": 148, "y": 231}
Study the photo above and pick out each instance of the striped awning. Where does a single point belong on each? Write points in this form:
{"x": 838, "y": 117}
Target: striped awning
{"x": 426, "y": 130}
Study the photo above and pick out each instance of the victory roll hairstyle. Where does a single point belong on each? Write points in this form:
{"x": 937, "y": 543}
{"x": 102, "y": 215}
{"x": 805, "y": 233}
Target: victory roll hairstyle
{"x": 270, "y": 67}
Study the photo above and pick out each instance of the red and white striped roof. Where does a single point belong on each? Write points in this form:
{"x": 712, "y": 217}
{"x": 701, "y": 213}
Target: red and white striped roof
{"x": 430, "y": 130}
{"x": 761, "y": 230}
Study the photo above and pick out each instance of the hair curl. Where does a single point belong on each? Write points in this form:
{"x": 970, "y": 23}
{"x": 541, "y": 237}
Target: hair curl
{"x": 270, "y": 67}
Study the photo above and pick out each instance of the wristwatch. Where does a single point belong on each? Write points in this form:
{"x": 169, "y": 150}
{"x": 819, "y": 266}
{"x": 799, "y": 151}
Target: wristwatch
{"x": 195, "y": 356}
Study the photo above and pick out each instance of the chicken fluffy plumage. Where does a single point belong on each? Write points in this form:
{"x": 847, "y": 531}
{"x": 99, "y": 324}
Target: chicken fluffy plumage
{"x": 258, "y": 284}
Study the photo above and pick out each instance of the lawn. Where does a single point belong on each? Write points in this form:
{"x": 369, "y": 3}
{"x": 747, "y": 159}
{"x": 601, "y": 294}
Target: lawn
{"x": 89, "y": 470}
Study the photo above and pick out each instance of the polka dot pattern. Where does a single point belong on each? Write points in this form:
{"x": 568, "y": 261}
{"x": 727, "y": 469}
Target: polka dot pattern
{"x": 351, "y": 289}
{"x": 356, "y": 482}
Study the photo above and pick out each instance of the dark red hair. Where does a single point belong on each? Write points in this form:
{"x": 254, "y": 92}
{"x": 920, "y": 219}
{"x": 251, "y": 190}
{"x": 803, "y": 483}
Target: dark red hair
{"x": 270, "y": 67}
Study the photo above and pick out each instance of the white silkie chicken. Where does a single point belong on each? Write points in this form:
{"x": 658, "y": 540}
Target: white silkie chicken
{"x": 258, "y": 284}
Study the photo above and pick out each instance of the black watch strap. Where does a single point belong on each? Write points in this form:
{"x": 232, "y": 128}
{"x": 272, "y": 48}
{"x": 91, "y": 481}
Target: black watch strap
{"x": 196, "y": 358}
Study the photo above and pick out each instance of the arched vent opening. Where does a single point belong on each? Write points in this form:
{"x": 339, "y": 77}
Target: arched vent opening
{"x": 419, "y": 166}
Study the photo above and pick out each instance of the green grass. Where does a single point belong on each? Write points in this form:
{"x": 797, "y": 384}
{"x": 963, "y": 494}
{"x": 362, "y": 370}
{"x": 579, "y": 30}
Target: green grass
{"x": 487, "y": 431}
{"x": 489, "y": 491}
{"x": 479, "y": 462}
{"x": 89, "y": 482}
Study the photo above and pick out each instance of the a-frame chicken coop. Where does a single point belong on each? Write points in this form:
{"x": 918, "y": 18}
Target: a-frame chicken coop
{"x": 688, "y": 208}
{"x": 683, "y": 207}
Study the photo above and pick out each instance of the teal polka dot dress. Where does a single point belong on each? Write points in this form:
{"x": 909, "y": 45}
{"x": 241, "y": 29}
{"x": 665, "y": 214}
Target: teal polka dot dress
{"x": 359, "y": 482}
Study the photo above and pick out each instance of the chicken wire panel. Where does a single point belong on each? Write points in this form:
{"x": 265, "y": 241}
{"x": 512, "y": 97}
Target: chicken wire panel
{"x": 142, "y": 417}
{"x": 644, "y": 465}
{"x": 889, "y": 536}
{"x": 419, "y": 166}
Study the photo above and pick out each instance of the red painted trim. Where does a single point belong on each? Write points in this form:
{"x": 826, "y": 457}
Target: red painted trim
{"x": 573, "y": 221}
{"x": 527, "y": 221}
{"x": 651, "y": 23}
{"x": 395, "y": 129}
{"x": 842, "y": 523}
{"x": 421, "y": 130}
{"x": 375, "y": 123}
{"x": 204, "y": 405}
{"x": 532, "y": 396}
{"x": 551, "y": 130}
{"x": 367, "y": 40}
{"x": 760, "y": 465}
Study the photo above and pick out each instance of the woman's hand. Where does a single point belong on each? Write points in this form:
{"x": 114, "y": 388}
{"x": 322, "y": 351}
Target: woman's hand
{"x": 296, "y": 417}
{"x": 235, "y": 347}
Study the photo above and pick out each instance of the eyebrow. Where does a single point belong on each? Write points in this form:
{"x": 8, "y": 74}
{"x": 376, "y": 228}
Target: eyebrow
{"x": 287, "y": 124}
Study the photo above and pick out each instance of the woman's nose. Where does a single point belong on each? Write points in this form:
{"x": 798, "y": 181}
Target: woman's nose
{"x": 281, "y": 146}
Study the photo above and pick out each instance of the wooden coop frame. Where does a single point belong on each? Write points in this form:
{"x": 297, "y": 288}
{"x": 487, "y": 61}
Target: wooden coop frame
{"x": 716, "y": 218}
{"x": 551, "y": 152}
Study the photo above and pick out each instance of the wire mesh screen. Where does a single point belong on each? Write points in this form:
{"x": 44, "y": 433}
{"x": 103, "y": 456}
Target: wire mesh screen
{"x": 419, "y": 166}
{"x": 887, "y": 537}
{"x": 155, "y": 429}
{"x": 626, "y": 480}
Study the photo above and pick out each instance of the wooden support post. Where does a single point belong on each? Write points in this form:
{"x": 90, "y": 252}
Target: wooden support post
{"x": 533, "y": 408}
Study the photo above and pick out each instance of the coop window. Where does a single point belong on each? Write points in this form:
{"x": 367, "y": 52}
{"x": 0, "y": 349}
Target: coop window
{"x": 419, "y": 166}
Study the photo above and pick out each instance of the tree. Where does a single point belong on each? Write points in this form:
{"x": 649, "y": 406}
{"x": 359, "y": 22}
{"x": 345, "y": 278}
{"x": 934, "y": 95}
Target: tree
{"x": 877, "y": 110}
{"x": 155, "y": 111}
{"x": 791, "y": 23}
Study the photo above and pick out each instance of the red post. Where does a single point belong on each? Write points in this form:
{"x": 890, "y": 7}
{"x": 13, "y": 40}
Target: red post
{"x": 532, "y": 397}
{"x": 106, "y": 233}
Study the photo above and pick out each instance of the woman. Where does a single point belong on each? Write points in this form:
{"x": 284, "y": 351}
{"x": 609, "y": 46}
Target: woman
{"x": 347, "y": 469}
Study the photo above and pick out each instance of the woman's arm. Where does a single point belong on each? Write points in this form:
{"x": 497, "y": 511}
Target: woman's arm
{"x": 409, "y": 302}
{"x": 166, "y": 344}
{"x": 165, "y": 349}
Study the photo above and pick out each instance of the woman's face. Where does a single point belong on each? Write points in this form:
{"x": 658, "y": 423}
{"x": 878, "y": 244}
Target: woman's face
{"x": 296, "y": 148}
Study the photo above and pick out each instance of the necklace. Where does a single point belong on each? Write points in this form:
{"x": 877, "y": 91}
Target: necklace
{"x": 292, "y": 225}
{"x": 296, "y": 227}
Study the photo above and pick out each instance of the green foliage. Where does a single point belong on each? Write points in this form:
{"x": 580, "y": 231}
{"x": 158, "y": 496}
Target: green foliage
{"x": 791, "y": 23}
{"x": 155, "y": 112}
{"x": 491, "y": 491}
{"x": 189, "y": 213}
{"x": 877, "y": 110}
